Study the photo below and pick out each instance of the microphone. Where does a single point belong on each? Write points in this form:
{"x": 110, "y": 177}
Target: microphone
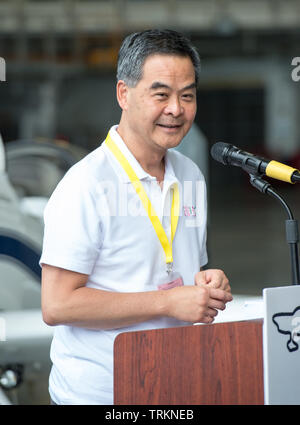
{"x": 231, "y": 155}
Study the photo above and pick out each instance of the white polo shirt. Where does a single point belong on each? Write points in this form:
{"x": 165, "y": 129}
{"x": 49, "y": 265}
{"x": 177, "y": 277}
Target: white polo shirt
{"x": 95, "y": 224}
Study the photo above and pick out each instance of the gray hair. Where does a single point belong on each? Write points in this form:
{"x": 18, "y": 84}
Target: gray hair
{"x": 136, "y": 48}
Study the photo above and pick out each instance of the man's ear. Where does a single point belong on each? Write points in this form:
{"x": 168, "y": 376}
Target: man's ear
{"x": 122, "y": 94}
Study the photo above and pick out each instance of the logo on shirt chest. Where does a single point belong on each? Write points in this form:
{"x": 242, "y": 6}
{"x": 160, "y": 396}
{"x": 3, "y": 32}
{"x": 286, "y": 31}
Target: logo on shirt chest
{"x": 189, "y": 211}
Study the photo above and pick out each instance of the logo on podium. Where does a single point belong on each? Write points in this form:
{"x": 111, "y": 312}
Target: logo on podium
{"x": 289, "y": 324}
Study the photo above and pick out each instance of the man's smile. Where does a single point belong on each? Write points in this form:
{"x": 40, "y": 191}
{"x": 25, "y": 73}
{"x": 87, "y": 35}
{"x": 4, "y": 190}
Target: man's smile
{"x": 170, "y": 126}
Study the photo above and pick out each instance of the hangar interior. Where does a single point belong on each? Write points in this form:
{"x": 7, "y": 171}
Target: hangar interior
{"x": 60, "y": 63}
{"x": 60, "y": 59}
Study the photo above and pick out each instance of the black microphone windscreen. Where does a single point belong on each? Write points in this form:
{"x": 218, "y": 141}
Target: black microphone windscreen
{"x": 217, "y": 152}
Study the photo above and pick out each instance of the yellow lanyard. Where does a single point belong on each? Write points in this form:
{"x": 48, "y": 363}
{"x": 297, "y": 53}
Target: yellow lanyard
{"x": 160, "y": 231}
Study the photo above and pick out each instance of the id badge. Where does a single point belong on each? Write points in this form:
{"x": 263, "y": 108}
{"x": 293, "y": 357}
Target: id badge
{"x": 172, "y": 280}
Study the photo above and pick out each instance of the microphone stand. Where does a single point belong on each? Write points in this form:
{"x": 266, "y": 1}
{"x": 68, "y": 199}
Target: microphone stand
{"x": 291, "y": 225}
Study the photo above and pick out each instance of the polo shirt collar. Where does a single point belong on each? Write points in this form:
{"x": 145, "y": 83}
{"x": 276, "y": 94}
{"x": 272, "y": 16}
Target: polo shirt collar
{"x": 140, "y": 172}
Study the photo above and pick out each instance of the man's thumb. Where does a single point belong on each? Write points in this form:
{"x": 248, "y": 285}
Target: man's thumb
{"x": 201, "y": 278}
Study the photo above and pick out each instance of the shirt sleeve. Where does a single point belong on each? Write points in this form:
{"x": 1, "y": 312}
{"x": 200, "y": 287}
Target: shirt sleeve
{"x": 72, "y": 232}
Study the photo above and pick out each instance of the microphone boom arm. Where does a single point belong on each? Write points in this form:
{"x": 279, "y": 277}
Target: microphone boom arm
{"x": 292, "y": 232}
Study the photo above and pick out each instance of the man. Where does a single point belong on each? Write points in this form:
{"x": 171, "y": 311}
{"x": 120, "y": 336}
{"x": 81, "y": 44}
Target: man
{"x": 125, "y": 230}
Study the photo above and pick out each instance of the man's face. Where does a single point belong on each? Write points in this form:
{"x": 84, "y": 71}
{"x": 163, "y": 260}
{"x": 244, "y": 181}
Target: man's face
{"x": 161, "y": 108}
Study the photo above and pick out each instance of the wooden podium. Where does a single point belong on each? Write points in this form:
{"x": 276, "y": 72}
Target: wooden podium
{"x": 220, "y": 363}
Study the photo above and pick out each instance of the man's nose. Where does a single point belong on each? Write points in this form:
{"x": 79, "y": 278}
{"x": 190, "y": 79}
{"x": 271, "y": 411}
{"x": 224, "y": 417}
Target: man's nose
{"x": 174, "y": 107}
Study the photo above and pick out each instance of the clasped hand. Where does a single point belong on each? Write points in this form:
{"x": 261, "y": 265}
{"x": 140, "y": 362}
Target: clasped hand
{"x": 201, "y": 302}
{"x": 214, "y": 279}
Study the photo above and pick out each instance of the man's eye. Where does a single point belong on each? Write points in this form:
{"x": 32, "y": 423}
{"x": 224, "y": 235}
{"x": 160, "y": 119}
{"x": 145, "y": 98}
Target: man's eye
{"x": 188, "y": 96}
{"x": 161, "y": 94}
